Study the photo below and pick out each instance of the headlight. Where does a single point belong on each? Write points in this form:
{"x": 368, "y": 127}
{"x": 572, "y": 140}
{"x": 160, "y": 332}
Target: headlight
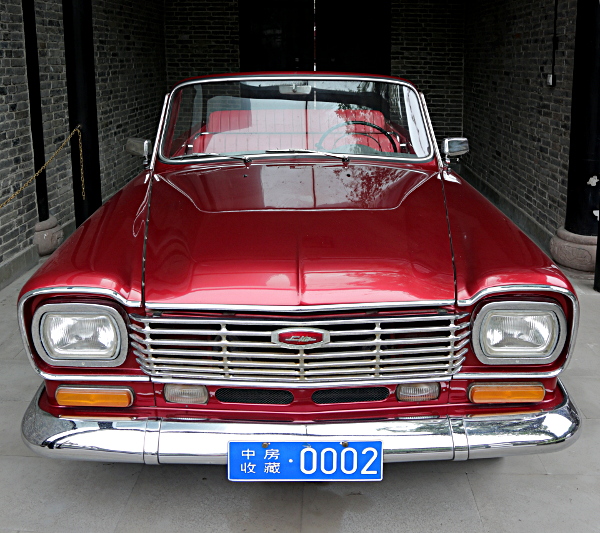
{"x": 519, "y": 333}
{"x": 79, "y": 335}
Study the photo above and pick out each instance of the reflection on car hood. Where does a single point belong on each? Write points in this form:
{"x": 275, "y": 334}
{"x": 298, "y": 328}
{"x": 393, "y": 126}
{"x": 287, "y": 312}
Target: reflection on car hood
{"x": 297, "y": 235}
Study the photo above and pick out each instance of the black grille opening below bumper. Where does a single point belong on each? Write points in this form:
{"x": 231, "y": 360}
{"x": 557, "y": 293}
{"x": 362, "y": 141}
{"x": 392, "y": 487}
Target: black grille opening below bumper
{"x": 363, "y": 394}
{"x": 259, "y": 396}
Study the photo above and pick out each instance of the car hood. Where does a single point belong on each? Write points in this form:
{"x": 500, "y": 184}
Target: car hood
{"x": 293, "y": 235}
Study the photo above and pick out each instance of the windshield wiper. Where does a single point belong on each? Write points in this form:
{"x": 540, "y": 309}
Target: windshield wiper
{"x": 344, "y": 157}
{"x": 243, "y": 158}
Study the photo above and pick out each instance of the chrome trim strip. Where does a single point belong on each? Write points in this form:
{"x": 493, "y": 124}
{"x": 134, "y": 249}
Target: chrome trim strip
{"x": 345, "y": 344}
{"x": 507, "y": 375}
{"x": 63, "y": 290}
{"x": 198, "y": 441}
{"x": 164, "y": 306}
{"x": 152, "y": 438}
{"x": 514, "y": 288}
{"x": 97, "y": 291}
{"x": 299, "y": 323}
{"x": 433, "y": 145}
{"x": 459, "y": 438}
{"x": 278, "y": 384}
{"x": 91, "y": 378}
{"x": 501, "y": 289}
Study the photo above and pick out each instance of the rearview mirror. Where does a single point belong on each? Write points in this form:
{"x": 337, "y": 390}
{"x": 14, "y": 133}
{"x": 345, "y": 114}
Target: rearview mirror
{"x": 455, "y": 146}
{"x": 141, "y": 147}
{"x": 295, "y": 88}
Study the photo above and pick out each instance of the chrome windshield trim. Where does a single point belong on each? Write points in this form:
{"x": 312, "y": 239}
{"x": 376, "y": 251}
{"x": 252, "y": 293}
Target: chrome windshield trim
{"x": 383, "y": 79}
{"x": 436, "y": 149}
{"x": 503, "y": 289}
{"x": 161, "y": 124}
{"x": 255, "y": 157}
{"x": 158, "y": 306}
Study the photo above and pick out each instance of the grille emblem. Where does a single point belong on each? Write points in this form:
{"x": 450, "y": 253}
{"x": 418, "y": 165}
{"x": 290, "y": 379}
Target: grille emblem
{"x": 303, "y": 338}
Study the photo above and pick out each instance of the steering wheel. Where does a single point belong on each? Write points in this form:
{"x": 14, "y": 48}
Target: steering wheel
{"x": 319, "y": 145}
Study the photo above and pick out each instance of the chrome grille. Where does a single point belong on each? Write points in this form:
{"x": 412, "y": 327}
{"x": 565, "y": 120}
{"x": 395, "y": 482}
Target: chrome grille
{"x": 373, "y": 349}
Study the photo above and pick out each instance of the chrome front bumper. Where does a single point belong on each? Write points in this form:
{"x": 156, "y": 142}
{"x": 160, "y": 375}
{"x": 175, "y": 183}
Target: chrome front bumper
{"x": 165, "y": 441}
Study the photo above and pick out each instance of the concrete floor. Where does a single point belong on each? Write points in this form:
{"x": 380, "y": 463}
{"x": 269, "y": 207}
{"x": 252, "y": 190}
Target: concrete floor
{"x": 553, "y": 492}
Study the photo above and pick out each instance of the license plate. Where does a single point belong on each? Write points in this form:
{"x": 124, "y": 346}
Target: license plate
{"x": 305, "y": 461}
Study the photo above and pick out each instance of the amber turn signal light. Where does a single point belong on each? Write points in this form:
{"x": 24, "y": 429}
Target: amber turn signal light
{"x": 94, "y": 396}
{"x": 506, "y": 392}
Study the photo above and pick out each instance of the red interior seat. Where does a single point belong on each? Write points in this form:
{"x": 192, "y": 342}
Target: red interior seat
{"x": 261, "y": 129}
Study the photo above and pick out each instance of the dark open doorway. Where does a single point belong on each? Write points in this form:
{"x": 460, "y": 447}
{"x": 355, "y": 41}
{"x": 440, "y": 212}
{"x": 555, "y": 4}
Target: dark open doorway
{"x": 275, "y": 35}
{"x": 315, "y": 34}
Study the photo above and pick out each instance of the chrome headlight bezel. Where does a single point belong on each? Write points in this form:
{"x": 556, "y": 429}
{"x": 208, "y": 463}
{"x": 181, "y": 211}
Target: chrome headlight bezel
{"x": 80, "y": 309}
{"x": 522, "y": 356}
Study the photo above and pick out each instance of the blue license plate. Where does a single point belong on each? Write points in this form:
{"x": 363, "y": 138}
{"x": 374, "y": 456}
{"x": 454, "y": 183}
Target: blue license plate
{"x": 305, "y": 461}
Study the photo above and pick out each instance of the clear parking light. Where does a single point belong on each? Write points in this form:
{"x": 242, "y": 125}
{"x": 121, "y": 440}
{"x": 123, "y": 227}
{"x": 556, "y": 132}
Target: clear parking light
{"x": 519, "y": 332}
{"x": 188, "y": 394}
{"x": 417, "y": 392}
{"x": 79, "y": 335}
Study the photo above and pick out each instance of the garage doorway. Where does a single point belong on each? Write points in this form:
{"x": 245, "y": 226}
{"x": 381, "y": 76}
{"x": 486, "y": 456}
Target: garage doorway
{"x": 314, "y": 35}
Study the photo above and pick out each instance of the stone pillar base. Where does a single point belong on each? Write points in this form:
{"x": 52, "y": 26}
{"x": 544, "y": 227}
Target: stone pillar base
{"x": 48, "y": 236}
{"x": 574, "y": 251}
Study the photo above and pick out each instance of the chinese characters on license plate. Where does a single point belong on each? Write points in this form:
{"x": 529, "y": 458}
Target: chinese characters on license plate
{"x": 305, "y": 461}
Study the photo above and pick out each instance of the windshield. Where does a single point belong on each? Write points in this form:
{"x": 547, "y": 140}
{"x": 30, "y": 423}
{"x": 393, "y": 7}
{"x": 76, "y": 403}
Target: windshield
{"x": 364, "y": 117}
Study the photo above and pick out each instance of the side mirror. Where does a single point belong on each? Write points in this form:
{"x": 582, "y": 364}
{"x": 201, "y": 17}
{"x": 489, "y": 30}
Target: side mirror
{"x": 141, "y": 147}
{"x": 455, "y": 146}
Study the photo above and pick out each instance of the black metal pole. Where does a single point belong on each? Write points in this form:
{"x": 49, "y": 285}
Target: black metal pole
{"x": 81, "y": 91}
{"x": 35, "y": 106}
{"x": 597, "y": 268}
{"x": 583, "y": 188}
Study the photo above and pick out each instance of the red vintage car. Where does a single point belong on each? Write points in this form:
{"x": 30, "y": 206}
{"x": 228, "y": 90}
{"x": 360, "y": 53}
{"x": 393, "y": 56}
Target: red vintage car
{"x": 298, "y": 286}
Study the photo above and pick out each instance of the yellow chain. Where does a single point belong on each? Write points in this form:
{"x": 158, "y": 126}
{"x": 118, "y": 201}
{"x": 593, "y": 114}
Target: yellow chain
{"x": 30, "y": 180}
{"x": 80, "y": 161}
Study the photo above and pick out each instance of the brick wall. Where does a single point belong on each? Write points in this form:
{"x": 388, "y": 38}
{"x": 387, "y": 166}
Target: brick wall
{"x": 131, "y": 82}
{"x": 518, "y": 127}
{"x": 18, "y": 218}
{"x": 201, "y": 37}
{"x": 427, "y": 49}
{"x": 130, "y": 76}
{"x": 55, "y": 112}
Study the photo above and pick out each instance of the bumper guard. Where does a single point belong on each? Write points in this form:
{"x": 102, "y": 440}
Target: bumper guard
{"x": 165, "y": 441}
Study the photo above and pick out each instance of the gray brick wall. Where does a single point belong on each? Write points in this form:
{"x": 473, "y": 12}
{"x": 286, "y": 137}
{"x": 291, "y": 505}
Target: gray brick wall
{"x": 427, "y": 49}
{"x": 131, "y": 82}
{"x": 18, "y": 218}
{"x": 55, "y": 113}
{"x": 518, "y": 127}
{"x": 201, "y": 37}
